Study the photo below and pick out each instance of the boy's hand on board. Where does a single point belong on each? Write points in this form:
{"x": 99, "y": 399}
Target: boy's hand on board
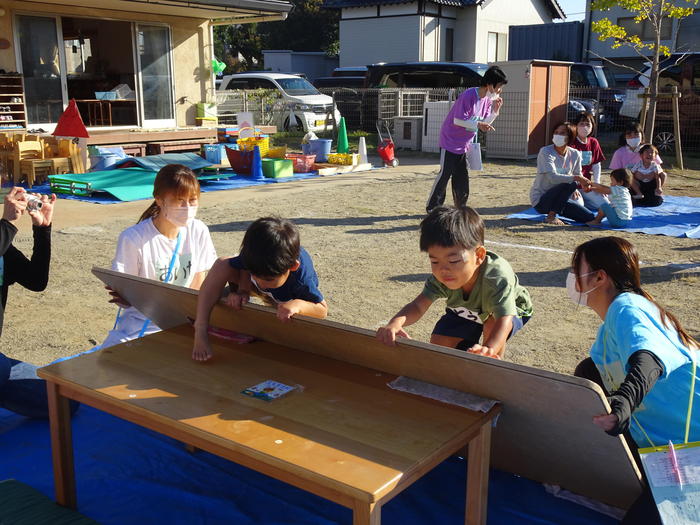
{"x": 486, "y": 351}
{"x": 388, "y": 334}
{"x": 286, "y": 310}
{"x": 236, "y": 300}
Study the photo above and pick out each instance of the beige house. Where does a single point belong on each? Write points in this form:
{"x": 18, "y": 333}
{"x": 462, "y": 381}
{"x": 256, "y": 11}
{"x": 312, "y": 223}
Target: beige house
{"x": 127, "y": 63}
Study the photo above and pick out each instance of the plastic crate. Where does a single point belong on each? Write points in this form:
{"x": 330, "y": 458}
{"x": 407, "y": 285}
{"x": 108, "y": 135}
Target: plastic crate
{"x": 105, "y": 95}
{"x": 277, "y": 168}
{"x": 343, "y": 159}
{"x": 279, "y": 152}
{"x": 302, "y": 163}
{"x": 248, "y": 144}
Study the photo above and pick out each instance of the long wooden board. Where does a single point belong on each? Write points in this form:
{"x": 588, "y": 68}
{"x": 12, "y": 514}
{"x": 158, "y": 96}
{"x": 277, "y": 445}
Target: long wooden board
{"x": 545, "y": 432}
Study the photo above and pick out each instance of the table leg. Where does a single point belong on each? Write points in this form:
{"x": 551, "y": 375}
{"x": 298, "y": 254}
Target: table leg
{"x": 478, "y": 476}
{"x": 366, "y": 513}
{"x": 61, "y": 447}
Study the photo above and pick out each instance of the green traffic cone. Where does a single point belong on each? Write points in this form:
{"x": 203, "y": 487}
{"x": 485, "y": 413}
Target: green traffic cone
{"x": 343, "y": 146}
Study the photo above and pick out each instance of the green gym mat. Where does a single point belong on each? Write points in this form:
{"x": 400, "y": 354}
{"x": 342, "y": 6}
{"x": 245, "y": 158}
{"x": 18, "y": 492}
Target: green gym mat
{"x": 126, "y": 184}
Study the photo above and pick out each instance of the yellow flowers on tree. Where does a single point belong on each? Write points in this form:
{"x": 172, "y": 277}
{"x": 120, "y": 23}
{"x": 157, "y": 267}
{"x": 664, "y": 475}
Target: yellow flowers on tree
{"x": 655, "y": 13}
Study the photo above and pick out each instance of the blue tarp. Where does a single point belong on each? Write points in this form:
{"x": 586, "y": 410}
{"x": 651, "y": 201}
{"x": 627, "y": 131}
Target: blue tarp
{"x": 129, "y": 475}
{"x": 156, "y": 162}
{"x": 676, "y": 217}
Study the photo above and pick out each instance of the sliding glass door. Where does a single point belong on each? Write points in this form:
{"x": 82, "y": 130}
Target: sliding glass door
{"x": 155, "y": 75}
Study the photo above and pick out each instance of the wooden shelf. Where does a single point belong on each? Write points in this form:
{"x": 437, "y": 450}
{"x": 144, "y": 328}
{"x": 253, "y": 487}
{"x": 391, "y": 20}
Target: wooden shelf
{"x": 12, "y": 86}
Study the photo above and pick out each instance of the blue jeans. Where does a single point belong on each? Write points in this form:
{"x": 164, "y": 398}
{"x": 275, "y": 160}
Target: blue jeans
{"x": 612, "y": 216}
{"x": 556, "y": 199}
{"x": 22, "y": 391}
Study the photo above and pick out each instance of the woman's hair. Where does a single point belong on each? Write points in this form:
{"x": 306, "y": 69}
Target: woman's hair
{"x": 494, "y": 76}
{"x": 623, "y": 176}
{"x": 173, "y": 179}
{"x": 585, "y": 116}
{"x": 618, "y": 259}
{"x": 570, "y": 131}
{"x": 633, "y": 127}
{"x": 647, "y": 147}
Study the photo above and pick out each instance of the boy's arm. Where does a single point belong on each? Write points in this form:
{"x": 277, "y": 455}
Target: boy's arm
{"x": 408, "y": 315}
{"x": 209, "y": 295}
{"x": 495, "y": 344}
{"x": 286, "y": 310}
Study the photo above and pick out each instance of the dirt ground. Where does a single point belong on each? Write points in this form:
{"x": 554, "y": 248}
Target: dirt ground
{"x": 361, "y": 231}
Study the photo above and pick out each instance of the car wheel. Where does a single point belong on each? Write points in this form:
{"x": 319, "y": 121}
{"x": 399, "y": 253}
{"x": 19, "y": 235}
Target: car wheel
{"x": 299, "y": 126}
{"x": 665, "y": 141}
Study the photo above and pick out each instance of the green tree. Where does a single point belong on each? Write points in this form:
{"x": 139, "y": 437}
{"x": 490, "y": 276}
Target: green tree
{"x": 656, "y": 13}
{"x": 308, "y": 27}
{"x": 239, "y": 46}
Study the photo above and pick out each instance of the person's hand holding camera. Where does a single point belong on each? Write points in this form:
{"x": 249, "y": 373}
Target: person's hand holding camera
{"x": 15, "y": 204}
{"x": 41, "y": 215}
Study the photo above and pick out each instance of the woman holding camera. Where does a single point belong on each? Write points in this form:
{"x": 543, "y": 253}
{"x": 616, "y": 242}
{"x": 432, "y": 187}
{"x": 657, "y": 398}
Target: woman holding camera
{"x": 21, "y": 390}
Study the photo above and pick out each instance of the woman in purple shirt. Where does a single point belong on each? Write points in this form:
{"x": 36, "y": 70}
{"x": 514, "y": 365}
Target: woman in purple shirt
{"x": 474, "y": 110}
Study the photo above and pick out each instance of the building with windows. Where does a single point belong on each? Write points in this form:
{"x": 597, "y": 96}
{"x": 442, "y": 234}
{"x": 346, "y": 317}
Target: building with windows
{"x": 374, "y": 31}
{"x": 127, "y": 63}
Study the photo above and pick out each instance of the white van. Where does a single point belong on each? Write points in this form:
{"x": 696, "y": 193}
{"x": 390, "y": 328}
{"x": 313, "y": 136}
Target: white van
{"x": 311, "y": 109}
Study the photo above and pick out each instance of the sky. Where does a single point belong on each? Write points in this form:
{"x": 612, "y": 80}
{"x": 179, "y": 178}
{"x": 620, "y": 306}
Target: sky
{"x": 574, "y": 9}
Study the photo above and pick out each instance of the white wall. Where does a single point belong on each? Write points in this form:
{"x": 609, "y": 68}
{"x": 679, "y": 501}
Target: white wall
{"x": 496, "y": 16}
{"x": 369, "y": 41}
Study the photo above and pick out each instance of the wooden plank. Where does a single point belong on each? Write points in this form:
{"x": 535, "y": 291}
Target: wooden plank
{"x": 61, "y": 447}
{"x": 344, "y": 428}
{"x": 545, "y": 432}
{"x": 478, "y": 477}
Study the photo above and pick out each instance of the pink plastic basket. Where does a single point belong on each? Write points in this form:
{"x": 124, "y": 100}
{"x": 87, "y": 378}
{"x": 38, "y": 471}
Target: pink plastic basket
{"x": 301, "y": 163}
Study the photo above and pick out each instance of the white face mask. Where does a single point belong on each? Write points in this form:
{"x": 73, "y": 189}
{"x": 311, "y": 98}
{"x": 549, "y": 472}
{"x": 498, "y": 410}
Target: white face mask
{"x": 579, "y": 298}
{"x": 560, "y": 140}
{"x": 634, "y": 143}
{"x": 180, "y": 216}
{"x": 584, "y": 131}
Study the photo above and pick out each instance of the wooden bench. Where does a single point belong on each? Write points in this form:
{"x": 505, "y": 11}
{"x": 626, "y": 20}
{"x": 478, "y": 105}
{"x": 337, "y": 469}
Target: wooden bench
{"x": 158, "y": 148}
{"x": 135, "y": 150}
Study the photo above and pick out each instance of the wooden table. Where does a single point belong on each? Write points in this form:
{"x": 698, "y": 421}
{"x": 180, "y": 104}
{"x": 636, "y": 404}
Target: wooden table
{"x": 345, "y": 435}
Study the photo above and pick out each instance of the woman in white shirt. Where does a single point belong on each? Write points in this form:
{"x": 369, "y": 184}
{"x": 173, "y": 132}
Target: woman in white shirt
{"x": 167, "y": 244}
{"x": 555, "y": 190}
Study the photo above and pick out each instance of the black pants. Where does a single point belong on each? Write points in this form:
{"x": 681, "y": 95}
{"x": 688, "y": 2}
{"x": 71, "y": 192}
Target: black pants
{"x": 650, "y": 199}
{"x": 643, "y": 511}
{"x": 556, "y": 199}
{"x": 452, "y": 165}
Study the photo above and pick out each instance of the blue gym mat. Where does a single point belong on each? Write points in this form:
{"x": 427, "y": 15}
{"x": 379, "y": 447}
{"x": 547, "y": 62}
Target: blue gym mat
{"x": 156, "y": 162}
{"x": 676, "y": 217}
{"x": 129, "y": 475}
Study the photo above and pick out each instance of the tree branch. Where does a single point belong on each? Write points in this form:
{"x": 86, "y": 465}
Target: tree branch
{"x": 617, "y": 64}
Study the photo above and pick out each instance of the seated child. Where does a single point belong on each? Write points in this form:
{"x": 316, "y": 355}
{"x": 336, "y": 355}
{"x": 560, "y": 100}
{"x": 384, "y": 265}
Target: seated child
{"x": 619, "y": 209}
{"x": 272, "y": 264}
{"x": 649, "y": 178}
{"x": 482, "y": 291}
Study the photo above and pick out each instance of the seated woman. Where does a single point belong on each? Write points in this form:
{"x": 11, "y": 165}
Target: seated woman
{"x": 642, "y": 356}
{"x": 555, "y": 190}
{"x": 591, "y": 158}
{"x": 21, "y": 390}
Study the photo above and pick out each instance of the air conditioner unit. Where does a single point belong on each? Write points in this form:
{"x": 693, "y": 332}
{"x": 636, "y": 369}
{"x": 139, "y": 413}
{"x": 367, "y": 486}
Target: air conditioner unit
{"x": 408, "y": 132}
{"x": 434, "y": 114}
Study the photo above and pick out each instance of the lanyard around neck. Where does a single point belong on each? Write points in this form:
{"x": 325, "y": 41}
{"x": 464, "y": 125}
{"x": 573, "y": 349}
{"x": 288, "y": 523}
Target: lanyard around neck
{"x": 689, "y": 412}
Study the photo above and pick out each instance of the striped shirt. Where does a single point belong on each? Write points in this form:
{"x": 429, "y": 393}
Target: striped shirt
{"x": 621, "y": 200}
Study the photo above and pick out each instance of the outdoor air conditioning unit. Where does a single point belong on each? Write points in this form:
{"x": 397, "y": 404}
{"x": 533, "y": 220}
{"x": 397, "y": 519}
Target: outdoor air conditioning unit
{"x": 434, "y": 114}
{"x": 408, "y": 132}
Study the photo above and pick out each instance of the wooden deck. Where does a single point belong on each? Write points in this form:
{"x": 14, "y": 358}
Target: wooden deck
{"x": 144, "y": 136}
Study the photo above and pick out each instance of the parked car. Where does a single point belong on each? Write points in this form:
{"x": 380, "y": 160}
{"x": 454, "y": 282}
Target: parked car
{"x": 593, "y": 81}
{"x": 356, "y": 71}
{"x": 310, "y": 107}
{"x": 425, "y": 75}
{"x": 684, "y": 73}
{"x": 339, "y": 82}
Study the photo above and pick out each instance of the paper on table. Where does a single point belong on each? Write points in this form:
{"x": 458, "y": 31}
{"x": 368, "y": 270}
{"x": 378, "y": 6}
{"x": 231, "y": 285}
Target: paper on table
{"x": 677, "y": 506}
{"x": 442, "y": 393}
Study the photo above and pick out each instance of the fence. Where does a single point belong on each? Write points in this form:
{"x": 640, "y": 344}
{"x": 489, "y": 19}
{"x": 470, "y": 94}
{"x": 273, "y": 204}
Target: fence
{"x": 362, "y": 108}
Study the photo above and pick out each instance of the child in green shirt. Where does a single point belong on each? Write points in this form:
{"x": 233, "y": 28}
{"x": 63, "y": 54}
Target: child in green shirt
{"x": 483, "y": 294}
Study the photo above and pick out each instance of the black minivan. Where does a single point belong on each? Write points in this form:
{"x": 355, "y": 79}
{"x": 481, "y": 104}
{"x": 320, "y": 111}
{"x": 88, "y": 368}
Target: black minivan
{"x": 425, "y": 75}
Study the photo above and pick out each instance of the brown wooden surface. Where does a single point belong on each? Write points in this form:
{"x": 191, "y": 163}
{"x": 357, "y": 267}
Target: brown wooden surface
{"x": 100, "y": 137}
{"x": 61, "y": 445}
{"x": 478, "y": 477}
{"x": 545, "y": 432}
{"x": 345, "y": 429}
